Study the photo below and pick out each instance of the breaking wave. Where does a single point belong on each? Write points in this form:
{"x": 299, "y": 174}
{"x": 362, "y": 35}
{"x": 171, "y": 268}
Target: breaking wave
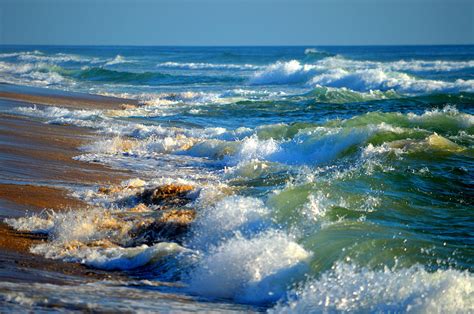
{"x": 363, "y": 78}
{"x": 347, "y": 288}
{"x": 203, "y": 66}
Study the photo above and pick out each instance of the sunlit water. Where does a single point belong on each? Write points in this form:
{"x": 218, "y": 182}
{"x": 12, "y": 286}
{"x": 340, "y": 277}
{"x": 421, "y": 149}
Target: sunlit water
{"x": 327, "y": 179}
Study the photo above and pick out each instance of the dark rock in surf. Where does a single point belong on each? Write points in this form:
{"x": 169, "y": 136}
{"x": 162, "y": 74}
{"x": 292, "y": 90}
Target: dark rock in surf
{"x": 167, "y": 196}
{"x": 171, "y": 226}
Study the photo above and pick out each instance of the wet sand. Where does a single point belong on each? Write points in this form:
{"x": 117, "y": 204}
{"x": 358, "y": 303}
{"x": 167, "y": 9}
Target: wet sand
{"x": 45, "y": 96}
{"x": 36, "y": 167}
{"x": 32, "y": 151}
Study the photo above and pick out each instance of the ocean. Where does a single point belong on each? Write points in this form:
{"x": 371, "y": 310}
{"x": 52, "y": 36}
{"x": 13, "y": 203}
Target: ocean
{"x": 324, "y": 179}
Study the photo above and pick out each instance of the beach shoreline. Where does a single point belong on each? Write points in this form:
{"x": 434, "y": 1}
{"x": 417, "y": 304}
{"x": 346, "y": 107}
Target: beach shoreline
{"x": 37, "y": 167}
{"x": 55, "y": 97}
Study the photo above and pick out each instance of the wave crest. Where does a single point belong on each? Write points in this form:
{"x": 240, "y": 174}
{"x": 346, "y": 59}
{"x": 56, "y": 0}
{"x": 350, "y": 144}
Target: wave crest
{"x": 356, "y": 79}
{"x": 349, "y": 289}
{"x": 206, "y": 66}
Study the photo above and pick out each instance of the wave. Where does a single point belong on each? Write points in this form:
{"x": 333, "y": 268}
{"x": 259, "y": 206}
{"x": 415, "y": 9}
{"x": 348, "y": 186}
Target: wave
{"x": 56, "y": 58}
{"x": 105, "y": 75}
{"x": 47, "y": 74}
{"x": 40, "y": 57}
{"x": 343, "y": 95}
{"x": 294, "y": 144}
{"x": 244, "y": 257}
{"x": 317, "y": 144}
{"x": 290, "y": 72}
{"x": 360, "y": 80}
{"x": 16, "y": 54}
{"x": 73, "y": 232}
{"x": 39, "y": 69}
{"x": 117, "y": 60}
{"x": 100, "y": 74}
{"x": 414, "y": 66}
{"x": 256, "y": 270}
{"x": 348, "y": 288}
{"x": 205, "y": 66}
{"x": 313, "y": 54}
{"x": 367, "y": 80}
{"x": 303, "y": 143}
{"x": 111, "y": 258}
{"x": 29, "y": 73}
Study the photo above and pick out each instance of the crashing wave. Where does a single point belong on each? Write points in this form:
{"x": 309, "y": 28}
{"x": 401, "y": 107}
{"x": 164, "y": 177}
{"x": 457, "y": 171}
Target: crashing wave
{"x": 347, "y": 288}
{"x": 363, "y": 79}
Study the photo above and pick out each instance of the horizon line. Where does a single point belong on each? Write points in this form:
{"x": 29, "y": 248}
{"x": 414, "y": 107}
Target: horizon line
{"x": 230, "y": 46}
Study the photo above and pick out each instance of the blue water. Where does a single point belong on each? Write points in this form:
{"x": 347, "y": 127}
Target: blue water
{"x": 325, "y": 178}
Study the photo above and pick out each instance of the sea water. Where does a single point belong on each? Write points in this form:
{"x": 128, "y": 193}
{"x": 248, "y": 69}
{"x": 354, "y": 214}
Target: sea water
{"x": 325, "y": 178}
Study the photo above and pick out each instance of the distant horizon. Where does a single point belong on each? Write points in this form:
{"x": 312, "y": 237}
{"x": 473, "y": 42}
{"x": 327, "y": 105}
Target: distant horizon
{"x": 236, "y": 46}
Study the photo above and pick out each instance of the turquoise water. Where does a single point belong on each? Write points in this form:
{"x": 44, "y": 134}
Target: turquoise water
{"x": 327, "y": 178}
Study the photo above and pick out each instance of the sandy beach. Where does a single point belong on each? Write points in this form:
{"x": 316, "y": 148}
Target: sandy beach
{"x": 36, "y": 167}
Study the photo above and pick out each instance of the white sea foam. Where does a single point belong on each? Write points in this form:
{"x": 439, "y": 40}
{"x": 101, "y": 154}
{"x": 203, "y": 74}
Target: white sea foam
{"x": 448, "y": 115}
{"x": 228, "y": 216}
{"x": 71, "y": 233}
{"x": 14, "y": 54}
{"x": 250, "y": 93}
{"x": 138, "y": 139}
{"x": 315, "y": 145}
{"x": 256, "y": 270}
{"x": 57, "y": 115}
{"x": 398, "y": 65}
{"x": 376, "y": 79}
{"x": 55, "y": 58}
{"x": 100, "y": 120}
{"x": 156, "y": 104}
{"x": 111, "y": 296}
{"x": 33, "y": 224}
{"x": 32, "y": 73}
{"x": 347, "y": 288}
{"x": 308, "y": 51}
{"x": 117, "y": 60}
{"x": 311, "y": 146}
{"x": 316, "y": 207}
{"x": 285, "y": 73}
{"x": 241, "y": 257}
{"x": 39, "y": 69}
{"x": 16, "y": 68}
{"x": 114, "y": 258}
{"x": 40, "y": 57}
{"x": 212, "y": 66}
{"x": 356, "y": 76}
{"x": 319, "y": 145}
{"x": 252, "y": 148}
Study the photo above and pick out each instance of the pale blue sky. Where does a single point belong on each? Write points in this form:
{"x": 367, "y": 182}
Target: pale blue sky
{"x": 237, "y": 22}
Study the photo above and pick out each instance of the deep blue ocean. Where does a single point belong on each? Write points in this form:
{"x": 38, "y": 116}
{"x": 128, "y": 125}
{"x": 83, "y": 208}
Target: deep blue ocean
{"x": 326, "y": 179}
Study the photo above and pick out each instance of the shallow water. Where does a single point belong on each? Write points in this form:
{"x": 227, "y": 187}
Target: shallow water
{"x": 326, "y": 179}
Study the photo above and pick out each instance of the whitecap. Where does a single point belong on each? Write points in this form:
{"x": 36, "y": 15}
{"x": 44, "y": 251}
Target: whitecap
{"x": 256, "y": 270}
{"x": 347, "y": 288}
{"x": 205, "y": 66}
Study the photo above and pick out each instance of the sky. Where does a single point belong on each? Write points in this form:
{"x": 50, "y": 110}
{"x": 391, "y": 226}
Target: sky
{"x": 237, "y": 22}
